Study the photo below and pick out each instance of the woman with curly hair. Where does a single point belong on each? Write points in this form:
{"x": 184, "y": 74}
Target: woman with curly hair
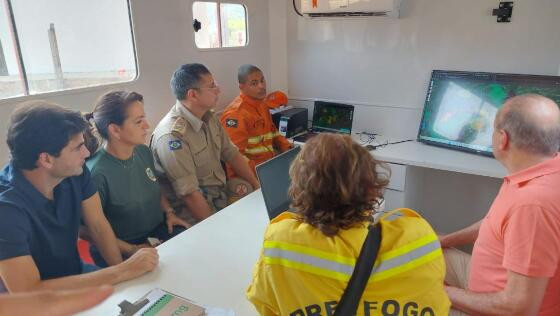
{"x": 309, "y": 254}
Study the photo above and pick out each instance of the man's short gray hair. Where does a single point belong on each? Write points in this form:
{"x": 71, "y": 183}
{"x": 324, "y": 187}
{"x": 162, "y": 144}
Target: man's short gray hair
{"x": 187, "y": 77}
{"x": 525, "y": 131}
{"x": 244, "y": 72}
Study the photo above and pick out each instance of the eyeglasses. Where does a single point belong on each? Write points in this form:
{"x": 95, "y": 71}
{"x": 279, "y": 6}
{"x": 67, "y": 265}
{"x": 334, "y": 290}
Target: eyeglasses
{"x": 214, "y": 87}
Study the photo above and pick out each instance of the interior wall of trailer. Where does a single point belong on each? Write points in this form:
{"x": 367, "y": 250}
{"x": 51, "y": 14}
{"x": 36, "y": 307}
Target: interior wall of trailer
{"x": 383, "y": 65}
{"x": 164, "y": 40}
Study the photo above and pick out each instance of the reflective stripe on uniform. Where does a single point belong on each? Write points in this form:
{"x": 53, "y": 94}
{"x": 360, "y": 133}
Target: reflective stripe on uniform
{"x": 391, "y": 263}
{"x": 420, "y": 252}
{"x": 260, "y": 138}
{"x": 393, "y": 216}
{"x": 389, "y": 215}
{"x": 259, "y": 149}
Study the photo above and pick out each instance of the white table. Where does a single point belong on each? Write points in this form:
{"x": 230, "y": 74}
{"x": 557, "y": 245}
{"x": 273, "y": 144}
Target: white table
{"x": 422, "y": 155}
{"x": 414, "y": 153}
{"x": 210, "y": 263}
{"x": 450, "y": 188}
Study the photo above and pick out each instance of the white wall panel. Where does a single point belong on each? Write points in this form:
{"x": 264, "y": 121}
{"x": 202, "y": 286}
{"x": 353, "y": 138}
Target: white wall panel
{"x": 278, "y": 79}
{"x": 387, "y": 62}
{"x": 164, "y": 39}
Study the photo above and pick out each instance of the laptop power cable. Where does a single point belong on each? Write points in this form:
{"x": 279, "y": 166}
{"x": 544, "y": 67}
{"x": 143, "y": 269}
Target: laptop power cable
{"x": 374, "y": 147}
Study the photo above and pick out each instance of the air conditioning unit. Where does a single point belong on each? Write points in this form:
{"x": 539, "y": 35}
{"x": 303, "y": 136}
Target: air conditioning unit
{"x": 329, "y": 8}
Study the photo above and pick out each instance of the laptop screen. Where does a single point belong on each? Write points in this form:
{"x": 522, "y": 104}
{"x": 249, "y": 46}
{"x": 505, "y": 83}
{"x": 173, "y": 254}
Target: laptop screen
{"x": 275, "y": 180}
{"x": 332, "y": 117}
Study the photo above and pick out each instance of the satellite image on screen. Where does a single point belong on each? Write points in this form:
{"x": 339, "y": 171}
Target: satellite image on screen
{"x": 460, "y": 106}
{"x": 333, "y": 116}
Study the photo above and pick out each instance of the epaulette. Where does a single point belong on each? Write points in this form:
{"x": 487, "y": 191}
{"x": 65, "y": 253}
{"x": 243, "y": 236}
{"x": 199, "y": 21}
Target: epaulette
{"x": 179, "y": 127}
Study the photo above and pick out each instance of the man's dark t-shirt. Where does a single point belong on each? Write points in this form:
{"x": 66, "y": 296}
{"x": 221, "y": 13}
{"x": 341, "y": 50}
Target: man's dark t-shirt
{"x": 47, "y": 230}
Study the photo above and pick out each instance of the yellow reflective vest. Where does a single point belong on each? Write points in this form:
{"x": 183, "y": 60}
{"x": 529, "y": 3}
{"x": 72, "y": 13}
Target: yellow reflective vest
{"x": 302, "y": 272}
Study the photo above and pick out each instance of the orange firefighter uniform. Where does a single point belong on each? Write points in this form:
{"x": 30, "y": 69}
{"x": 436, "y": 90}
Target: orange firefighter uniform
{"x": 249, "y": 125}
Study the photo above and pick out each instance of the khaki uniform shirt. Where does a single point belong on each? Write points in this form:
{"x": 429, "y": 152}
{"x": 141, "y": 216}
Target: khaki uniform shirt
{"x": 188, "y": 150}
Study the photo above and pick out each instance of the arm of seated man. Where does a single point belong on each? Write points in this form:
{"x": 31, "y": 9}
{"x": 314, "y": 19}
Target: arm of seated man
{"x": 125, "y": 248}
{"x": 197, "y": 205}
{"x": 100, "y": 230}
{"x": 522, "y": 296}
{"x": 231, "y": 150}
{"x": 241, "y": 168}
{"x": 531, "y": 254}
{"x": 53, "y": 302}
{"x": 20, "y": 274}
{"x": 281, "y": 143}
{"x": 461, "y": 237}
{"x": 19, "y": 271}
{"x": 180, "y": 170}
{"x": 170, "y": 218}
{"x": 234, "y": 131}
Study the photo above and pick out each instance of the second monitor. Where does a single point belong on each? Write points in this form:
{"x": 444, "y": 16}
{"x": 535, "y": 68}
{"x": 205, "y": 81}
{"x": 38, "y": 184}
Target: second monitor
{"x": 461, "y": 106}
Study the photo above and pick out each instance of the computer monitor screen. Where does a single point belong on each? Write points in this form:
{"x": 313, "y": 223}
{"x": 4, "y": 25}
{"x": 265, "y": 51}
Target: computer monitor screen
{"x": 333, "y": 117}
{"x": 460, "y": 106}
{"x": 275, "y": 180}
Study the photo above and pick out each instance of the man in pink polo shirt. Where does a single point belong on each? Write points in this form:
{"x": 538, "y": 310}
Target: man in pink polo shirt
{"x": 514, "y": 268}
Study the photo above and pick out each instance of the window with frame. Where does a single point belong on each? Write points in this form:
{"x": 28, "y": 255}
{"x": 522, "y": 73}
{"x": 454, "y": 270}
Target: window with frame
{"x": 57, "y": 45}
{"x": 218, "y": 24}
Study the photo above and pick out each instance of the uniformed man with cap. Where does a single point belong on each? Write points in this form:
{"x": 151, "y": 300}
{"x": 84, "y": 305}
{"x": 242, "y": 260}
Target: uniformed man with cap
{"x": 189, "y": 146}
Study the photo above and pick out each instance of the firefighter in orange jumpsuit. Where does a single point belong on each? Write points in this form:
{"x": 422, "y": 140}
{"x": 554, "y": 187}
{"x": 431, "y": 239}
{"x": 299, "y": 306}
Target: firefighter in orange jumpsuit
{"x": 248, "y": 122}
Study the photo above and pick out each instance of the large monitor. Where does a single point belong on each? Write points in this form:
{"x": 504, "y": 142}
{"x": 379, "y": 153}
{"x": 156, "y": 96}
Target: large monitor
{"x": 275, "y": 180}
{"x": 460, "y": 106}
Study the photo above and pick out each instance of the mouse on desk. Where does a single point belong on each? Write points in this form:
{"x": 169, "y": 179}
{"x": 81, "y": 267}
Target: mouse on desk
{"x": 370, "y": 147}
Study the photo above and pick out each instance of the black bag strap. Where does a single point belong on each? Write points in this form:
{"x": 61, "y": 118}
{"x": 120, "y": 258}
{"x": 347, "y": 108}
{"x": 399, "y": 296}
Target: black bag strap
{"x": 350, "y": 299}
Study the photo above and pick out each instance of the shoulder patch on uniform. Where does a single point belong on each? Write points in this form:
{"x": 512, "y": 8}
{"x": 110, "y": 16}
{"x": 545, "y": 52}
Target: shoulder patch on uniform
{"x": 231, "y": 123}
{"x": 179, "y": 126}
{"x": 175, "y": 144}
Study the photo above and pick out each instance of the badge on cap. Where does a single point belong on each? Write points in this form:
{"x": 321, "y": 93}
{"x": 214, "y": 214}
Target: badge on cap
{"x": 231, "y": 123}
{"x": 150, "y": 174}
{"x": 175, "y": 144}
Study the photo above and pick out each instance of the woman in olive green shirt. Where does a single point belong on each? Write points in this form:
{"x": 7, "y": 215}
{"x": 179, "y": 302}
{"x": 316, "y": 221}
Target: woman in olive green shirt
{"x": 123, "y": 171}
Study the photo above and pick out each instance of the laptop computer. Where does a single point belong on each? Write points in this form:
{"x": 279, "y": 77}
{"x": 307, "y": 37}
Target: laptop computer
{"x": 275, "y": 180}
{"x": 329, "y": 117}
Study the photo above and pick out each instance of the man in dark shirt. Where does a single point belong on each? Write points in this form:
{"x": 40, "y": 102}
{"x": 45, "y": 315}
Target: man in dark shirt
{"x": 45, "y": 192}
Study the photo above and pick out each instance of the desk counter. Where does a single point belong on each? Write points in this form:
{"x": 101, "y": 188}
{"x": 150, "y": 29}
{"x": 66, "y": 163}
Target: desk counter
{"x": 210, "y": 263}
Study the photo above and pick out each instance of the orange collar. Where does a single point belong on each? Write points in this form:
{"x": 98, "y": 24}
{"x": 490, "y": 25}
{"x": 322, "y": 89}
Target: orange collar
{"x": 250, "y": 101}
{"x": 547, "y": 167}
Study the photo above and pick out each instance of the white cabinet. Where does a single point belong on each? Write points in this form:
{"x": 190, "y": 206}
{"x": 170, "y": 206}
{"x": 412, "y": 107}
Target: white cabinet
{"x": 394, "y": 194}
